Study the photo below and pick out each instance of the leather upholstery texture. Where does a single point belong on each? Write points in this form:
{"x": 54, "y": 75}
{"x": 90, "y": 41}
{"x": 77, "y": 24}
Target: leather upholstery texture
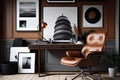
{"x": 89, "y": 54}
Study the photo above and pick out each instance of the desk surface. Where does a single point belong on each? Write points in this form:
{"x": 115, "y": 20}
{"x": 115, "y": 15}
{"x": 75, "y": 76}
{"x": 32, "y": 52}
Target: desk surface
{"x": 55, "y": 46}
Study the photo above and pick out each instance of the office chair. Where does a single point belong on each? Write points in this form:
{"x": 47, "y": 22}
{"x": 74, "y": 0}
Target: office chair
{"x": 89, "y": 56}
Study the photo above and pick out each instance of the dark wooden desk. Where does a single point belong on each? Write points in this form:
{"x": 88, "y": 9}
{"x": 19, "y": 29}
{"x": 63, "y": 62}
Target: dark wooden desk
{"x": 41, "y": 47}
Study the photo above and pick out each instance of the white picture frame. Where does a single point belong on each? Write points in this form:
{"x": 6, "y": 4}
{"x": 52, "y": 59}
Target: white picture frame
{"x": 26, "y": 63}
{"x": 14, "y": 52}
{"x": 92, "y": 16}
{"x": 60, "y": 1}
{"x": 50, "y": 15}
{"x": 27, "y": 15}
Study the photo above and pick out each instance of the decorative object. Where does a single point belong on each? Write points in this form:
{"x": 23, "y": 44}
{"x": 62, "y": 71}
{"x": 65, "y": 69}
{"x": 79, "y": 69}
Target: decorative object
{"x": 93, "y": 16}
{"x": 114, "y": 60}
{"x": 62, "y": 28}
{"x": 83, "y": 36}
{"x": 60, "y": 1}
{"x": 27, "y": 15}
{"x": 26, "y": 62}
{"x": 67, "y": 16}
{"x": 14, "y": 52}
{"x": 76, "y": 30}
{"x": 43, "y": 26}
{"x": 112, "y": 71}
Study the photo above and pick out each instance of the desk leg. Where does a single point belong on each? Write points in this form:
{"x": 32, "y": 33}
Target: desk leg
{"x": 39, "y": 62}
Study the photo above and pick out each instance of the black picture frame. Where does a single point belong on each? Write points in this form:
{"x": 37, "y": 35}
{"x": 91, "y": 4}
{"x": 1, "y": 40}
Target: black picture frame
{"x": 60, "y": 1}
{"x": 94, "y": 21}
{"x": 26, "y": 62}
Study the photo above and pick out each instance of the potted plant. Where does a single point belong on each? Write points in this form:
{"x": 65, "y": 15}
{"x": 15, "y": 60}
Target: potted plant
{"x": 114, "y": 61}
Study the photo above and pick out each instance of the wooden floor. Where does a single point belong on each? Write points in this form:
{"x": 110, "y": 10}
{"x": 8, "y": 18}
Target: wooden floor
{"x": 54, "y": 77}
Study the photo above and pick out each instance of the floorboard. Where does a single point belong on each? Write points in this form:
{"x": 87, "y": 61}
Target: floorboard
{"x": 104, "y": 76}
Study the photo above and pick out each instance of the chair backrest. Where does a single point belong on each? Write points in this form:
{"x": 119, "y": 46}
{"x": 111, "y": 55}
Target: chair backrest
{"x": 97, "y": 38}
{"x": 95, "y": 42}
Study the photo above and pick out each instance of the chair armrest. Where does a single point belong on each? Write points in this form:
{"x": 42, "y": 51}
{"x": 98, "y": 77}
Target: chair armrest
{"x": 96, "y": 54}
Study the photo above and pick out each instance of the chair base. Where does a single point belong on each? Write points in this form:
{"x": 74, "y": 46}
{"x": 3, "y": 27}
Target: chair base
{"x": 82, "y": 75}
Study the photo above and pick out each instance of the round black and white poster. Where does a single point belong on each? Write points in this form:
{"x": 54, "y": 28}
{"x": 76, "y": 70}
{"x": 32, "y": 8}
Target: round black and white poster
{"x": 92, "y": 16}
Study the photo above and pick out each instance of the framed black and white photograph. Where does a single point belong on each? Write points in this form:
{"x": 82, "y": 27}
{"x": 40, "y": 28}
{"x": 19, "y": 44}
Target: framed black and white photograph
{"x": 93, "y": 16}
{"x": 26, "y": 62}
{"x": 60, "y": 22}
{"x": 60, "y": 1}
{"x": 14, "y": 52}
{"x": 27, "y": 15}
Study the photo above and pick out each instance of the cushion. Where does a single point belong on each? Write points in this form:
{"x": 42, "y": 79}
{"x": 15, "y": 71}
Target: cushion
{"x": 70, "y": 61}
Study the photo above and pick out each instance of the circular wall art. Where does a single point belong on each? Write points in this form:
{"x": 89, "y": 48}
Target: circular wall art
{"x": 92, "y": 15}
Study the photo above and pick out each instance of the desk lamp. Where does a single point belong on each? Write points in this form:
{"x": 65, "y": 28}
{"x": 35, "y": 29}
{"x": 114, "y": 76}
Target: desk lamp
{"x": 43, "y": 26}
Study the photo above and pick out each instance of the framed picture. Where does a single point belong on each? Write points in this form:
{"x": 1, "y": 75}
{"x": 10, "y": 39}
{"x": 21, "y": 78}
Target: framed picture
{"x": 27, "y": 15}
{"x": 60, "y": 23}
{"x": 14, "y": 52}
{"x": 60, "y": 1}
{"x": 93, "y": 16}
{"x": 26, "y": 62}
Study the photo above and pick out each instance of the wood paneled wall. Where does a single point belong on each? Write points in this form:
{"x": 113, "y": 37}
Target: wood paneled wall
{"x": 108, "y": 20}
{"x": 11, "y": 32}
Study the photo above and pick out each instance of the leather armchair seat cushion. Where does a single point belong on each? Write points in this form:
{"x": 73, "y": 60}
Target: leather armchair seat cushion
{"x": 70, "y": 61}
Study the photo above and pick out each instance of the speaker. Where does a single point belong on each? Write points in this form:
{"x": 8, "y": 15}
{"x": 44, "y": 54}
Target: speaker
{"x": 19, "y": 42}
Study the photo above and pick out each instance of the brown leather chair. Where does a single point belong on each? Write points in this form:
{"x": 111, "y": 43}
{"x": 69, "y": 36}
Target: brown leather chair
{"x": 90, "y": 54}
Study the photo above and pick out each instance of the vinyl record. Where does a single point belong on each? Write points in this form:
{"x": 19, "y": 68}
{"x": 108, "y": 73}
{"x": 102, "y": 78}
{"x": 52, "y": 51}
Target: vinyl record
{"x": 92, "y": 15}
